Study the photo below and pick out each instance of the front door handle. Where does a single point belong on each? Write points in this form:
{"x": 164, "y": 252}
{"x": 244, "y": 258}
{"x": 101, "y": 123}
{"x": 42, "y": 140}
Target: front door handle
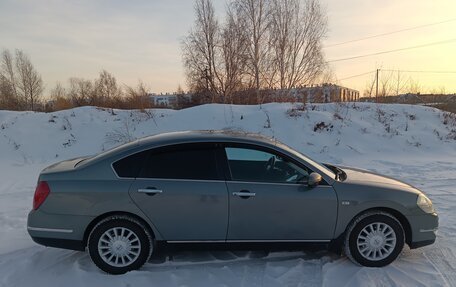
{"x": 150, "y": 191}
{"x": 244, "y": 194}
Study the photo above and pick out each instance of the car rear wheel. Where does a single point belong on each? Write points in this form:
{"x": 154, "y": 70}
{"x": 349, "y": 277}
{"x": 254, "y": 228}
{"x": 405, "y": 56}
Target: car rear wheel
{"x": 374, "y": 239}
{"x": 119, "y": 244}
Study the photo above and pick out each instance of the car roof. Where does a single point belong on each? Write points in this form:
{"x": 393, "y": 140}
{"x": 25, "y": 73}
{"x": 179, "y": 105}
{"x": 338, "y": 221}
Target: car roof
{"x": 181, "y": 137}
{"x": 196, "y": 136}
{"x": 206, "y": 135}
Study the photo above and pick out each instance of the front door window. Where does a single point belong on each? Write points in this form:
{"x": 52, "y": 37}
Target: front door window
{"x": 252, "y": 165}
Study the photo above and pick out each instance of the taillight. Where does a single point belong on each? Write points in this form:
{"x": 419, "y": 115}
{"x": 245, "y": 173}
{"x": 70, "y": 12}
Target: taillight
{"x": 41, "y": 192}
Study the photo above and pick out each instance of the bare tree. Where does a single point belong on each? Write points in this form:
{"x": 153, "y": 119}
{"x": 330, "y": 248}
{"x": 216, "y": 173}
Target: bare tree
{"x": 60, "y": 99}
{"x": 8, "y": 73}
{"x": 200, "y": 51}
{"x": 327, "y": 75}
{"x": 8, "y": 96}
{"x": 137, "y": 97}
{"x": 179, "y": 90}
{"x": 29, "y": 84}
{"x": 296, "y": 34}
{"x": 390, "y": 83}
{"x": 234, "y": 48}
{"x": 58, "y": 91}
{"x": 440, "y": 90}
{"x": 386, "y": 86}
{"x": 21, "y": 85}
{"x": 215, "y": 56}
{"x": 254, "y": 16}
{"x": 283, "y": 18}
{"x": 414, "y": 87}
{"x": 106, "y": 89}
{"x": 400, "y": 82}
{"x": 80, "y": 92}
{"x": 7, "y": 99}
{"x": 261, "y": 45}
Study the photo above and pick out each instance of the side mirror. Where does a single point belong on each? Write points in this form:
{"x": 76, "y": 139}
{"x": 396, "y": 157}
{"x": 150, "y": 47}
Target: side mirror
{"x": 314, "y": 179}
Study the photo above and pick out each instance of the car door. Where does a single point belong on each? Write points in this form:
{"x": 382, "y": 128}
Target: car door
{"x": 270, "y": 200}
{"x": 181, "y": 190}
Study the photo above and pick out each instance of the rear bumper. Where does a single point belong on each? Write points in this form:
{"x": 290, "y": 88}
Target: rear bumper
{"x": 60, "y": 243}
{"x": 424, "y": 228}
{"x": 58, "y": 230}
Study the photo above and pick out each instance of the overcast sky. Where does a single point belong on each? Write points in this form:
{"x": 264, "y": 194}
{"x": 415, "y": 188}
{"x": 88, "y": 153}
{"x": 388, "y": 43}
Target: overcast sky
{"x": 141, "y": 39}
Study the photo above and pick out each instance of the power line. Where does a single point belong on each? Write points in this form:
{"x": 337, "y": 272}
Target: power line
{"x": 424, "y": 72}
{"x": 358, "y": 75}
{"x": 400, "y": 71}
{"x": 389, "y": 33}
{"x": 395, "y": 50}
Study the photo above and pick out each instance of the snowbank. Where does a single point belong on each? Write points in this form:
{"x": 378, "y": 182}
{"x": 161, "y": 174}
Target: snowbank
{"x": 414, "y": 143}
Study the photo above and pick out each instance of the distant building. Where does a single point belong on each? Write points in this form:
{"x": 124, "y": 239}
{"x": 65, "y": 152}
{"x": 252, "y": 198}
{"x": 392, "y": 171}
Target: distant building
{"x": 170, "y": 100}
{"x": 327, "y": 93}
{"x": 324, "y": 93}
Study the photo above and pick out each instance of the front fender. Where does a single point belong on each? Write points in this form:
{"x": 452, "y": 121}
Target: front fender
{"x": 355, "y": 199}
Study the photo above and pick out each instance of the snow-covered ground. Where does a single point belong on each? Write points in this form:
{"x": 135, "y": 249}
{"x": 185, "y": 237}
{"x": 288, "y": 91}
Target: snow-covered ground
{"x": 413, "y": 143}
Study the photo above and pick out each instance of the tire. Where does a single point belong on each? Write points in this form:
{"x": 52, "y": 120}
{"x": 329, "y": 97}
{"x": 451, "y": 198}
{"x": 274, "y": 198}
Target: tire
{"x": 119, "y": 244}
{"x": 374, "y": 239}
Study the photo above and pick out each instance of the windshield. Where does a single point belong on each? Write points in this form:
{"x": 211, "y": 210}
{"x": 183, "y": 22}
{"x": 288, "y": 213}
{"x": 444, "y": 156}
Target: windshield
{"x": 320, "y": 167}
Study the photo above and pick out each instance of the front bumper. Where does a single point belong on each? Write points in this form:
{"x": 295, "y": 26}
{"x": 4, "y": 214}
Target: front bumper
{"x": 423, "y": 228}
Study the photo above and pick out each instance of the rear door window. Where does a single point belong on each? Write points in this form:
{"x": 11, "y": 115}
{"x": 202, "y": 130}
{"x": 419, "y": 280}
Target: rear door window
{"x": 186, "y": 161}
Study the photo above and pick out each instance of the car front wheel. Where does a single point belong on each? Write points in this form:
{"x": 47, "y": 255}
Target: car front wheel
{"x": 374, "y": 239}
{"x": 119, "y": 244}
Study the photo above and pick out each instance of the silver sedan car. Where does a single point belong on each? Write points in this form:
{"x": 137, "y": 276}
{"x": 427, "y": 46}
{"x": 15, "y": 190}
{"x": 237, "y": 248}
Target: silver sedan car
{"x": 218, "y": 186}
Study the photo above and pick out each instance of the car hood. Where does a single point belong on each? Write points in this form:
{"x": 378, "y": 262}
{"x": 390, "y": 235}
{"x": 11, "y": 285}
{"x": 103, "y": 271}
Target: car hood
{"x": 361, "y": 176}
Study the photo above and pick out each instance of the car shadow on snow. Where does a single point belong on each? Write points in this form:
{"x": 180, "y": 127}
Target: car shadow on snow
{"x": 220, "y": 264}
{"x": 220, "y": 253}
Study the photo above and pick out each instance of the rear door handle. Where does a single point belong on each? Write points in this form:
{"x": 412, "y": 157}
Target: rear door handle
{"x": 150, "y": 191}
{"x": 244, "y": 194}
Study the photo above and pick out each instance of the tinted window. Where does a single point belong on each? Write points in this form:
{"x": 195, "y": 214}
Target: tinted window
{"x": 247, "y": 164}
{"x": 131, "y": 165}
{"x": 182, "y": 162}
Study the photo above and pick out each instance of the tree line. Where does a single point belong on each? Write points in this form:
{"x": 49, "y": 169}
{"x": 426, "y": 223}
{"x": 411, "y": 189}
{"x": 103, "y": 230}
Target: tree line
{"x": 22, "y": 87}
{"x": 393, "y": 82}
{"x": 260, "y": 44}
{"x": 103, "y": 91}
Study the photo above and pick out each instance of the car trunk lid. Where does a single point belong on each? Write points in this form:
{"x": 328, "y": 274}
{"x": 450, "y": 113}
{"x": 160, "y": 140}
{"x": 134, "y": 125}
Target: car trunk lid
{"x": 63, "y": 166}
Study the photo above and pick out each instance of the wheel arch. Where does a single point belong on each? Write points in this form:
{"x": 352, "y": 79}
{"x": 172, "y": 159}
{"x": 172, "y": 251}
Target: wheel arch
{"x": 337, "y": 243}
{"x": 99, "y": 218}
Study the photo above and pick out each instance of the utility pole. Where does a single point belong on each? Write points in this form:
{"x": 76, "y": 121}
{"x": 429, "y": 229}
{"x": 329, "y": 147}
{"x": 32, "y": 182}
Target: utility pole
{"x": 398, "y": 79}
{"x": 376, "y": 87}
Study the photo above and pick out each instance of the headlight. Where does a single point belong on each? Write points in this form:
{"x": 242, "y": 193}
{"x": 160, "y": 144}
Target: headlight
{"x": 425, "y": 203}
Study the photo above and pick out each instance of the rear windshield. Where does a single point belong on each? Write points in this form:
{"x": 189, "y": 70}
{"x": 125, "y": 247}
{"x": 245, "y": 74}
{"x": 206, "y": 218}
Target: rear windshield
{"x": 130, "y": 166}
{"x": 108, "y": 153}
